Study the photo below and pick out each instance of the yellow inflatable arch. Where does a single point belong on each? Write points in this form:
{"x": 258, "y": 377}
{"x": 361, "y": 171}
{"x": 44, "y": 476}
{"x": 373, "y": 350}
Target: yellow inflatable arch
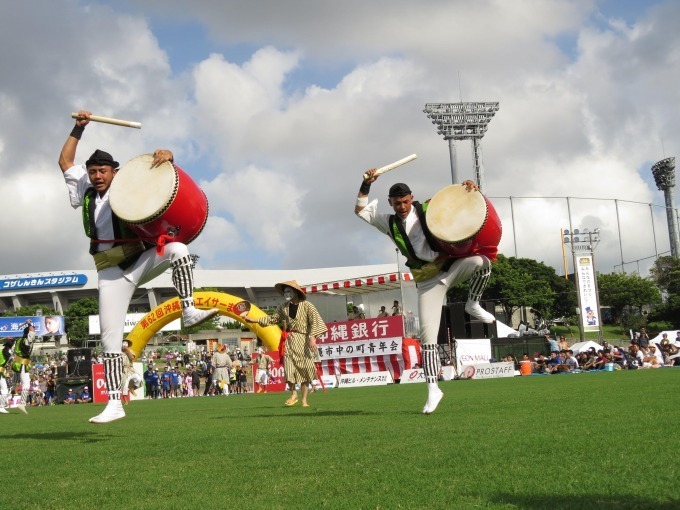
{"x": 170, "y": 310}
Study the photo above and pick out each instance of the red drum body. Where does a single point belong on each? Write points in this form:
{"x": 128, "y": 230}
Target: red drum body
{"x": 160, "y": 201}
{"x": 464, "y": 222}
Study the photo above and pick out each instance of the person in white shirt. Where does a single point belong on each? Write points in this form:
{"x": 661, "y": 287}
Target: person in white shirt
{"x": 396, "y": 309}
{"x": 123, "y": 261}
{"x": 434, "y": 272}
{"x": 655, "y": 355}
{"x": 570, "y": 360}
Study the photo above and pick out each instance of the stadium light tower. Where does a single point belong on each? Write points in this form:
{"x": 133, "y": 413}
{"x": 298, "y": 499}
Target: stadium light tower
{"x": 664, "y": 176}
{"x": 463, "y": 121}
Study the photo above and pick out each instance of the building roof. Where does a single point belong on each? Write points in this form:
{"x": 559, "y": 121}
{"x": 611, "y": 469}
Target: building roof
{"x": 247, "y": 283}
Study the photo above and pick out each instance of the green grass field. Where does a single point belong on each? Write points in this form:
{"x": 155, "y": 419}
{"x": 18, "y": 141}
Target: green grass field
{"x": 592, "y": 440}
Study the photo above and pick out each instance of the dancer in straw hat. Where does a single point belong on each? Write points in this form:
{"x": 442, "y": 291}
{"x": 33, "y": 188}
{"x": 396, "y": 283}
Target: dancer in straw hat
{"x": 301, "y": 325}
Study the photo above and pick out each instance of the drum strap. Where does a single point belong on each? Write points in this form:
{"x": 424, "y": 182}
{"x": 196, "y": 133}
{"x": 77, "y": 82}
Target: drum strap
{"x": 123, "y": 237}
{"x": 404, "y": 244}
{"x": 421, "y": 270}
{"x": 90, "y": 225}
{"x": 398, "y": 235}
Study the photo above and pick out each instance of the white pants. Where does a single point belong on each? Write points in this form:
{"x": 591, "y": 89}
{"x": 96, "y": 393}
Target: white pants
{"x": 24, "y": 378}
{"x": 4, "y": 392}
{"x": 262, "y": 377}
{"x": 116, "y": 287}
{"x": 432, "y": 294}
{"x": 221, "y": 376}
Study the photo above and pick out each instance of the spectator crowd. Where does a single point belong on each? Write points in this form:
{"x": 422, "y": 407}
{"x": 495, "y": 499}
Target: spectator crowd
{"x": 641, "y": 353}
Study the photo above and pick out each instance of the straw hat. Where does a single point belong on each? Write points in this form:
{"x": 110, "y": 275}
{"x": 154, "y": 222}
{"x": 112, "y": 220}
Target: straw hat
{"x": 221, "y": 347}
{"x": 293, "y": 285}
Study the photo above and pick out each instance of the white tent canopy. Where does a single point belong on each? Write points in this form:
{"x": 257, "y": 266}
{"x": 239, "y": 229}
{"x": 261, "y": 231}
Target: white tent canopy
{"x": 361, "y": 285}
{"x": 671, "y": 336}
{"x": 584, "y": 346}
{"x": 503, "y": 330}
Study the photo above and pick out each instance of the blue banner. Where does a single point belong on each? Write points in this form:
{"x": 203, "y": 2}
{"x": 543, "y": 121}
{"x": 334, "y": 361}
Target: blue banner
{"x": 46, "y": 325}
{"x": 38, "y": 282}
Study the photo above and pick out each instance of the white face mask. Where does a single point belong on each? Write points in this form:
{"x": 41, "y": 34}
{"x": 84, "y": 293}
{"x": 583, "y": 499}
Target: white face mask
{"x": 288, "y": 293}
{"x": 31, "y": 336}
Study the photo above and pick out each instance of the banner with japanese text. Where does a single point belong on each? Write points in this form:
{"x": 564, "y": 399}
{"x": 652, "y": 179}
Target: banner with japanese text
{"x": 40, "y": 282}
{"x": 367, "y": 346}
{"x": 590, "y": 316}
{"x": 363, "y": 329}
{"x": 131, "y": 320}
{"x": 47, "y": 325}
{"x": 363, "y": 379}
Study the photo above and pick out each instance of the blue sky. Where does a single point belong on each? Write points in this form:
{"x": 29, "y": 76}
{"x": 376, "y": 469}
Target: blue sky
{"x": 277, "y": 108}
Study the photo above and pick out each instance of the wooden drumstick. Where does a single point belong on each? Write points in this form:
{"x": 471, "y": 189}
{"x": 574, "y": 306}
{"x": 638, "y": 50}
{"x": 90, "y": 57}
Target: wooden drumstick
{"x": 108, "y": 120}
{"x": 392, "y": 166}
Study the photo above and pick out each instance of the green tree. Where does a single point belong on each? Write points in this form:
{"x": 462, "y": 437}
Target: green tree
{"x": 30, "y": 311}
{"x": 519, "y": 282}
{"x": 619, "y": 290}
{"x": 77, "y": 319}
{"x": 666, "y": 274}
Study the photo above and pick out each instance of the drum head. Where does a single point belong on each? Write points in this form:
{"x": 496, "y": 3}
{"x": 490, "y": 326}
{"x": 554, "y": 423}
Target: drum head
{"x": 455, "y": 215}
{"x": 140, "y": 193}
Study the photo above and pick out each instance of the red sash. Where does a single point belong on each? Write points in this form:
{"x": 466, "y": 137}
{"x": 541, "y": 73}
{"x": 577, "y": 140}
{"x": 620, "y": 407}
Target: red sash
{"x": 282, "y": 344}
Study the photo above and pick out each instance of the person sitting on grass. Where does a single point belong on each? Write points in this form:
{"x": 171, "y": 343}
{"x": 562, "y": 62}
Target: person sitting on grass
{"x": 554, "y": 361}
{"x": 635, "y": 356}
{"x": 668, "y": 350}
{"x": 85, "y": 397}
{"x": 541, "y": 364}
{"x": 70, "y": 398}
{"x": 589, "y": 362}
{"x": 654, "y": 356}
{"x": 570, "y": 361}
{"x": 618, "y": 357}
{"x": 600, "y": 360}
{"x": 511, "y": 357}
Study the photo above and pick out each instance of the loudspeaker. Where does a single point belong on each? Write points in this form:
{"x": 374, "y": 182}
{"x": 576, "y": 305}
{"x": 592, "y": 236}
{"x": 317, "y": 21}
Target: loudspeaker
{"x": 79, "y": 369}
{"x": 79, "y": 355}
{"x": 461, "y": 326}
{"x": 61, "y": 372}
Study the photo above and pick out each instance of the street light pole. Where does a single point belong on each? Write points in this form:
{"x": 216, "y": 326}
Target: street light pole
{"x": 664, "y": 176}
{"x": 453, "y": 158}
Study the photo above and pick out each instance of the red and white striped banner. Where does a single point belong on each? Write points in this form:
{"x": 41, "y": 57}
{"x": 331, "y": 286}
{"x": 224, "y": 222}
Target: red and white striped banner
{"x": 360, "y": 346}
{"x": 395, "y": 363}
{"x": 358, "y": 282}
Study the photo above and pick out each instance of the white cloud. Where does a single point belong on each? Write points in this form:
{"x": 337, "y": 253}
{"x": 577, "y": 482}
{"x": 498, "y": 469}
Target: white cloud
{"x": 280, "y": 154}
{"x": 265, "y": 205}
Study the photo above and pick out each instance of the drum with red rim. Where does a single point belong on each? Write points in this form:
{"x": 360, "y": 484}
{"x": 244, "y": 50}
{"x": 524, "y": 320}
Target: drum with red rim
{"x": 160, "y": 201}
{"x": 464, "y": 222}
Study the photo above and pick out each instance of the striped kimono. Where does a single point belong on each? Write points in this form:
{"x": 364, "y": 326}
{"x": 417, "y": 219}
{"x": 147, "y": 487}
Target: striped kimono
{"x": 298, "y": 363}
